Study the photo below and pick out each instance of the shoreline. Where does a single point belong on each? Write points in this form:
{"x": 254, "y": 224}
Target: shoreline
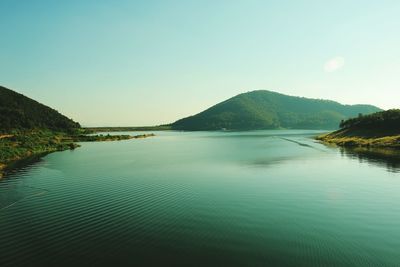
{"x": 350, "y": 139}
{"x": 25, "y": 161}
{"x": 57, "y": 143}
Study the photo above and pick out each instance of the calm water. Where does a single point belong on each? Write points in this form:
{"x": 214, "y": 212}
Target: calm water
{"x": 265, "y": 198}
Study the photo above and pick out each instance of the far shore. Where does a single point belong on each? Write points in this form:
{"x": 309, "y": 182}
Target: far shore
{"x": 128, "y": 129}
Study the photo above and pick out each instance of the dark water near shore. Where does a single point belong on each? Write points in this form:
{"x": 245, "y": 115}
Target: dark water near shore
{"x": 265, "y": 198}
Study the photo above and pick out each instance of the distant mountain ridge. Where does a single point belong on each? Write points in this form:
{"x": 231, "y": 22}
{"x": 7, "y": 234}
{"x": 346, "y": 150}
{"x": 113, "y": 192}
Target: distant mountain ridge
{"x": 264, "y": 109}
{"x": 18, "y": 112}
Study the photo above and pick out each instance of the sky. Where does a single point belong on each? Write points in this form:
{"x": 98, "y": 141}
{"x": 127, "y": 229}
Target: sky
{"x": 136, "y": 63}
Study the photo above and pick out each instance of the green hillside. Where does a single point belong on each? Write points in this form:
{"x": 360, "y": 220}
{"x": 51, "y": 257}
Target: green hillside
{"x": 386, "y": 122}
{"x": 270, "y": 110}
{"x": 380, "y": 129}
{"x": 29, "y": 130}
{"x": 18, "y": 112}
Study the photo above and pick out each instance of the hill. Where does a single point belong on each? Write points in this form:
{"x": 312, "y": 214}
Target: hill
{"x": 29, "y": 130}
{"x": 270, "y": 110}
{"x": 381, "y": 123}
{"x": 380, "y": 129}
{"x": 18, "y": 112}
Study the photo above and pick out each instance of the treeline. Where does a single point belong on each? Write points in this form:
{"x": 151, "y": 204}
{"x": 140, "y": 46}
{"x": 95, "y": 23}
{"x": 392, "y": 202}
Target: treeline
{"x": 18, "y": 112}
{"x": 163, "y": 127}
{"x": 385, "y": 120}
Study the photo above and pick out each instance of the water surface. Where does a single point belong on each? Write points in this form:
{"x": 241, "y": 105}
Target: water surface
{"x": 263, "y": 198}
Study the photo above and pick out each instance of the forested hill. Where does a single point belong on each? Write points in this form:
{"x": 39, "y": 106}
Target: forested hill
{"x": 270, "y": 110}
{"x": 384, "y": 122}
{"x": 18, "y": 112}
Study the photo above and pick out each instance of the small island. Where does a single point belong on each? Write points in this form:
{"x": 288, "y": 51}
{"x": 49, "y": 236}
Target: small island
{"x": 377, "y": 130}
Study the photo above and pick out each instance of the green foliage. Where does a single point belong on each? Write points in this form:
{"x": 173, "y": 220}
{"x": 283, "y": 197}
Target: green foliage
{"x": 19, "y": 145}
{"x": 269, "y": 110}
{"x": 30, "y": 129}
{"x": 18, "y": 112}
{"x": 380, "y": 129}
{"x": 385, "y": 120}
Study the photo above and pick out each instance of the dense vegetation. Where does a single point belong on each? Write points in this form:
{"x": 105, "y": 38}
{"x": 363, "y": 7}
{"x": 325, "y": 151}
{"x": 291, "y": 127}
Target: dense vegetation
{"x": 29, "y": 129}
{"x": 385, "y": 120}
{"x": 18, "y": 145}
{"x": 18, "y": 112}
{"x": 380, "y": 129}
{"x": 270, "y": 110}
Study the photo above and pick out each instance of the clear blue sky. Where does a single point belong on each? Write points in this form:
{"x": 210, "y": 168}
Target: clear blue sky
{"x": 151, "y": 62}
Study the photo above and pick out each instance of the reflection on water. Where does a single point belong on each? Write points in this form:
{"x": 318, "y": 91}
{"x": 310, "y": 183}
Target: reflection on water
{"x": 23, "y": 165}
{"x": 263, "y": 198}
{"x": 382, "y": 157}
{"x": 13, "y": 187}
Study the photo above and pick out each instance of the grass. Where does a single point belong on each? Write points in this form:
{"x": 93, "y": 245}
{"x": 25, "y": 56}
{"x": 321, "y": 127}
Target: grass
{"x": 362, "y": 138}
{"x": 21, "y": 145}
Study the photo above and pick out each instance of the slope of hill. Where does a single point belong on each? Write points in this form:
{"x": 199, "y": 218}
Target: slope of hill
{"x": 29, "y": 130}
{"x": 380, "y": 129}
{"x": 270, "y": 110}
{"x": 383, "y": 123}
{"x": 18, "y": 112}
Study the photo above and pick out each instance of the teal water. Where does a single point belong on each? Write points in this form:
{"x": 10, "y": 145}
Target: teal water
{"x": 264, "y": 198}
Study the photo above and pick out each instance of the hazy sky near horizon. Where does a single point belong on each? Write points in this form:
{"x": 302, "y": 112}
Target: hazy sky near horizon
{"x": 150, "y": 62}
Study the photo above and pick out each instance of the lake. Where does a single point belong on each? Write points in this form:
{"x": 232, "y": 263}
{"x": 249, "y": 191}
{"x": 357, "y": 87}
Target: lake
{"x": 260, "y": 198}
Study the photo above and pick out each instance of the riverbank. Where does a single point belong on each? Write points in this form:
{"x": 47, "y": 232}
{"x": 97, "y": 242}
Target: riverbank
{"x": 19, "y": 147}
{"x": 128, "y": 129}
{"x": 362, "y": 138}
{"x": 377, "y": 130}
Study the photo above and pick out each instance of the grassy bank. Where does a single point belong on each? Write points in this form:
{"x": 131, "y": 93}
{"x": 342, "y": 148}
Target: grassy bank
{"x": 19, "y": 146}
{"x": 362, "y": 138}
{"x": 377, "y": 130}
